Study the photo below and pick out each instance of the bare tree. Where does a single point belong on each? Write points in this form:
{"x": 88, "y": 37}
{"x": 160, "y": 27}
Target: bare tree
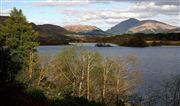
{"x": 85, "y": 73}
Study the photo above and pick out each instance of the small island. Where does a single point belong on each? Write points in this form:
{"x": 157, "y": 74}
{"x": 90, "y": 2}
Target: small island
{"x": 103, "y": 45}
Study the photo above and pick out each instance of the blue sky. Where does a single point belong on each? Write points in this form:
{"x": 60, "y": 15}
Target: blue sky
{"x": 101, "y": 13}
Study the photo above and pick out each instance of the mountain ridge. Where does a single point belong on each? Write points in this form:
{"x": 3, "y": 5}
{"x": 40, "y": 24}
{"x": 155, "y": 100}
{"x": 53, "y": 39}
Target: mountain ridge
{"x": 143, "y": 26}
{"x": 130, "y": 26}
{"x": 123, "y": 26}
{"x": 151, "y": 27}
{"x": 48, "y": 33}
{"x": 85, "y": 30}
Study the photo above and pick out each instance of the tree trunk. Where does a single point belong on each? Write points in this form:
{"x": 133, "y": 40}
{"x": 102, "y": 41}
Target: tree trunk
{"x": 88, "y": 79}
{"x": 117, "y": 91}
{"x": 81, "y": 82}
{"x": 40, "y": 77}
{"x": 104, "y": 85}
{"x": 30, "y": 64}
{"x": 117, "y": 100}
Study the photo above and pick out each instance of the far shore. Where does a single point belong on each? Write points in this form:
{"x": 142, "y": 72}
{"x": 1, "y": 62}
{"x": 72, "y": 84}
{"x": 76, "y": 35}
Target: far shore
{"x": 163, "y": 43}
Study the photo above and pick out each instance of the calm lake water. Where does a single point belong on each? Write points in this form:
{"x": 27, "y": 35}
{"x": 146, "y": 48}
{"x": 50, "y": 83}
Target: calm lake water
{"x": 157, "y": 64}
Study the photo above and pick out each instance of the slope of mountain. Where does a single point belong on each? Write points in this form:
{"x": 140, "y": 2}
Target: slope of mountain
{"x": 85, "y": 30}
{"x": 48, "y": 30}
{"x": 135, "y": 26}
{"x": 49, "y": 34}
{"x": 176, "y": 30}
{"x": 124, "y": 26}
{"x": 151, "y": 26}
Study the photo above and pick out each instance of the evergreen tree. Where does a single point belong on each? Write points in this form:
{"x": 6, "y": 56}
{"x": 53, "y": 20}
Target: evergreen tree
{"x": 17, "y": 42}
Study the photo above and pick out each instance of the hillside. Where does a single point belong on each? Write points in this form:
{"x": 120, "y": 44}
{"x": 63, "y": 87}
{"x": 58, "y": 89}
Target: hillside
{"x": 48, "y": 30}
{"x": 49, "y": 34}
{"x": 176, "y": 30}
{"x": 123, "y": 27}
{"x": 145, "y": 26}
{"x": 151, "y": 26}
{"x": 54, "y": 34}
{"x": 85, "y": 30}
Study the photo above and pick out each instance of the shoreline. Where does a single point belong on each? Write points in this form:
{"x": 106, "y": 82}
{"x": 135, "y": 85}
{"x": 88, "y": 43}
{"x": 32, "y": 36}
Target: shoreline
{"x": 166, "y": 43}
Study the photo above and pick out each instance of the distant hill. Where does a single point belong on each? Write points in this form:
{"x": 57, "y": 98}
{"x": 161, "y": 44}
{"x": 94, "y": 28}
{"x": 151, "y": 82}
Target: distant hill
{"x": 85, "y": 30}
{"x": 176, "y": 30}
{"x": 124, "y": 26}
{"x": 49, "y": 34}
{"x": 135, "y": 26}
{"x": 151, "y": 26}
{"x": 48, "y": 30}
{"x": 54, "y": 34}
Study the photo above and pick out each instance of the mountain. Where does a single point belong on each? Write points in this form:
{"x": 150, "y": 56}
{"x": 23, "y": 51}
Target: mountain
{"x": 135, "y": 26}
{"x": 124, "y": 26}
{"x": 49, "y": 34}
{"x": 48, "y": 30}
{"x": 151, "y": 26}
{"x": 85, "y": 30}
{"x": 176, "y": 30}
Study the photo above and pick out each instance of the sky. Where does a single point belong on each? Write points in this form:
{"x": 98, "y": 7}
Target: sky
{"x": 101, "y": 13}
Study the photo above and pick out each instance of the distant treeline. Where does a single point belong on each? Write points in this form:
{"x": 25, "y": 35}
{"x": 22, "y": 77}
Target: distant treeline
{"x": 134, "y": 40}
{"x": 147, "y": 37}
{"x": 52, "y": 41}
{"x": 158, "y": 36}
{"x": 143, "y": 40}
{"x": 138, "y": 39}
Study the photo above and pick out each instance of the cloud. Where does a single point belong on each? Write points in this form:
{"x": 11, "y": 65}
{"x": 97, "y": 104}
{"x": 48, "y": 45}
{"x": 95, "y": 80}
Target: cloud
{"x": 86, "y": 2}
{"x": 158, "y": 2}
{"x": 139, "y": 10}
{"x": 154, "y": 8}
{"x": 173, "y": 21}
{"x": 5, "y": 11}
{"x": 42, "y": 21}
{"x": 52, "y": 3}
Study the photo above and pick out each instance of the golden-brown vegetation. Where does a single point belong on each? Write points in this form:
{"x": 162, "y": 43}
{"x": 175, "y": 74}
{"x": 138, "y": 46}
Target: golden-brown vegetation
{"x": 86, "y": 74}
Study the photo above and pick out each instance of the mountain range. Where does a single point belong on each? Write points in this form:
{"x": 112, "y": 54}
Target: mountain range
{"x": 49, "y": 30}
{"x": 123, "y": 27}
{"x": 132, "y": 25}
{"x": 129, "y": 26}
{"x": 85, "y": 30}
{"x": 176, "y": 30}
